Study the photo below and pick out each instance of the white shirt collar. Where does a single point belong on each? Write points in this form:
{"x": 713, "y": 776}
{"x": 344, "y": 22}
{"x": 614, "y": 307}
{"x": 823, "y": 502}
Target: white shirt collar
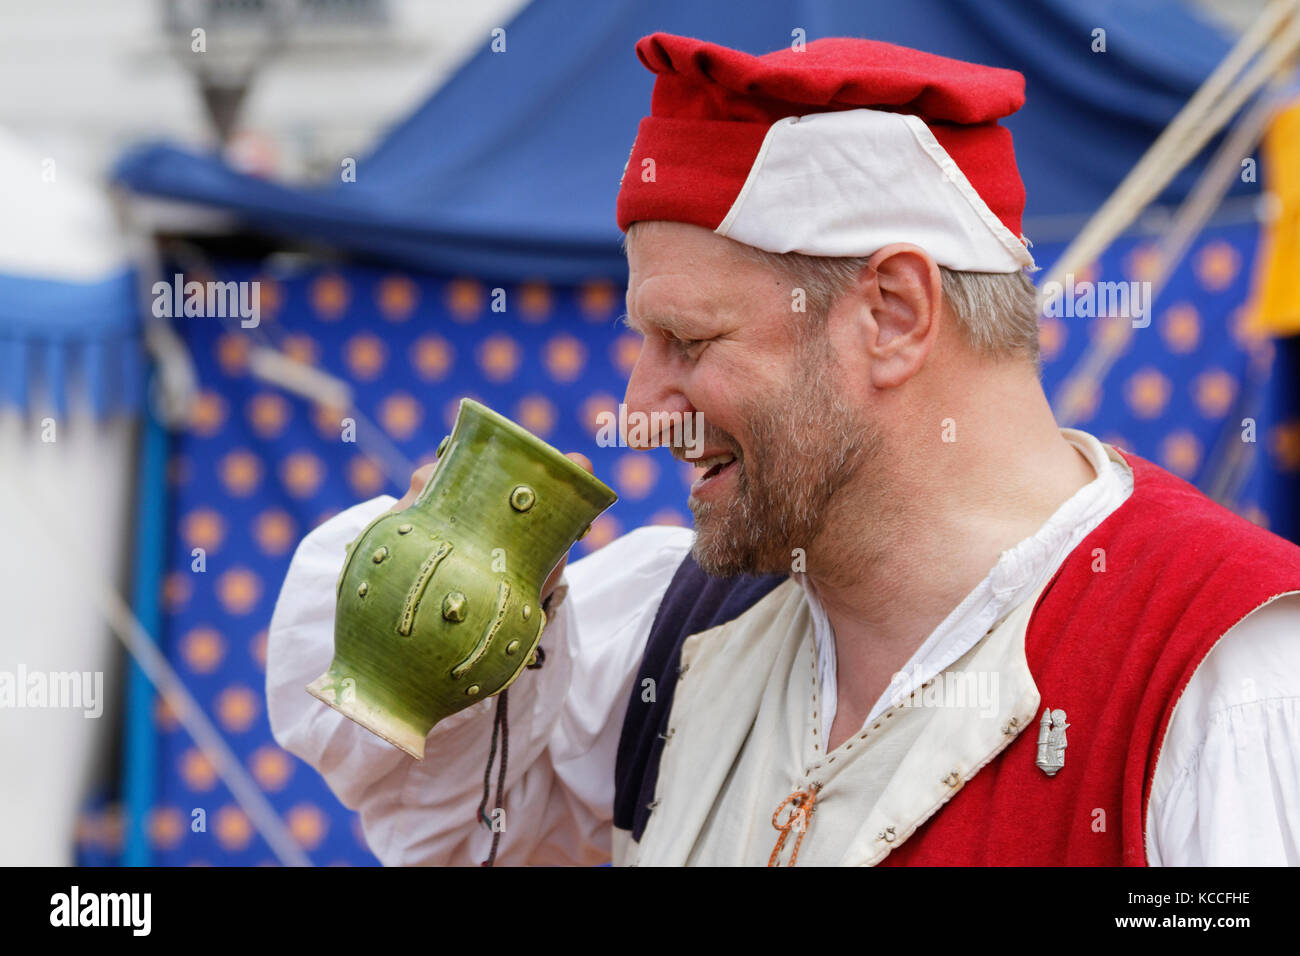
{"x": 1018, "y": 574}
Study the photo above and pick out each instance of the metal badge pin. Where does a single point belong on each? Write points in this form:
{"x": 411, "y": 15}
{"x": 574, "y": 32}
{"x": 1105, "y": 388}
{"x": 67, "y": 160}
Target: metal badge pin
{"x": 1051, "y": 741}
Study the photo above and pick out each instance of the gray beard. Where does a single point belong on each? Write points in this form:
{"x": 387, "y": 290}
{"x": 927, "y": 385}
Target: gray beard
{"x": 807, "y": 445}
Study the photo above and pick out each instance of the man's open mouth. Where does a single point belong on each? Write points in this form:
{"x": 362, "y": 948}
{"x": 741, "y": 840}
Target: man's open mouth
{"x": 711, "y": 468}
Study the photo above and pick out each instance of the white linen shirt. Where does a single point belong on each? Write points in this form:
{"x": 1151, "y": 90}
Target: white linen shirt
{"x": 1226, "y": 788}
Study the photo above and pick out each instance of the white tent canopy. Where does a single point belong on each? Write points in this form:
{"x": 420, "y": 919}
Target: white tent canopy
{"x": 68, "y": 351}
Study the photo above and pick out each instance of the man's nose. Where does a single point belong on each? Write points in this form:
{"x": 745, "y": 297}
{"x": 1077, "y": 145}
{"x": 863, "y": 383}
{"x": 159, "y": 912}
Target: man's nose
{"x": 653, "y": 395}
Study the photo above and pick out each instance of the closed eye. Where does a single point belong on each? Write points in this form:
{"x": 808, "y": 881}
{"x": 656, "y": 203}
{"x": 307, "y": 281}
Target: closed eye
{"x": 684, "y": 345}
{"x": 689, "y": 347}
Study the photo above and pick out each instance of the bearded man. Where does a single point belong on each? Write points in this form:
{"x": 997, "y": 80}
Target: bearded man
{"x": 905, "y": 581}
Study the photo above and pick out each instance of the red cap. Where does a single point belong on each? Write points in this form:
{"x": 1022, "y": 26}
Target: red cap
{"x": 714, "y": 152}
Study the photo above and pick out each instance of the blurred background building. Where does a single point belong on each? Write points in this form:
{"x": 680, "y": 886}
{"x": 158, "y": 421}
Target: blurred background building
{"x": 319, "y": 78}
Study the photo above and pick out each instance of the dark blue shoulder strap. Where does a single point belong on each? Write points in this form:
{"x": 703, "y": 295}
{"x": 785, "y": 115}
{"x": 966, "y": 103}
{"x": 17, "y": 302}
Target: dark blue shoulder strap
{"x": 694, "y": 602}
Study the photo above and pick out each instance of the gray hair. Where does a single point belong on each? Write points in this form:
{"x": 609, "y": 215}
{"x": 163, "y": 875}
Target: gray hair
{"x": 998, "y": 312}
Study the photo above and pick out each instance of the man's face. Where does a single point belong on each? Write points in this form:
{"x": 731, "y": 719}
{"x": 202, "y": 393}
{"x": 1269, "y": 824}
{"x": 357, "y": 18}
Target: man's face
{"x": 781, "y": 433}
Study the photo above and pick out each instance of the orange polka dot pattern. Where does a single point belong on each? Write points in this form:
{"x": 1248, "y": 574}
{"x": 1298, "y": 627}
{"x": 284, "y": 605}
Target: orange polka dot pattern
{"x": 1181, "y": 388}
{"x": 258, "y": 468}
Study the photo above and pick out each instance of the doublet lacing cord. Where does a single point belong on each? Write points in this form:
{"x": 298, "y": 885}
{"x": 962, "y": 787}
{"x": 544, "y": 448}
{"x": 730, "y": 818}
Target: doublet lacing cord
{"x": 501, "y": 731}
{"x": 802, "y": 803}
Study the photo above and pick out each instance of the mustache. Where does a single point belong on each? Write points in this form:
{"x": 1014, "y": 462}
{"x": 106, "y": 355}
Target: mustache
{"x": 709, "y": 437}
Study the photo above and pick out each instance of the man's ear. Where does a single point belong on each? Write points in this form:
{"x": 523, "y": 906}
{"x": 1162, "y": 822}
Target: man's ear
{"x": 902, "y": 288}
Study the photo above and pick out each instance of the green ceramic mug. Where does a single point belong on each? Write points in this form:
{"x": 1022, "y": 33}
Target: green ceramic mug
{"x": 439, "y": 605}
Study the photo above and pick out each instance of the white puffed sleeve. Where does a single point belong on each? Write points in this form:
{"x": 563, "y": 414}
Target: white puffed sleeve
{"x": 1226, "y": 789}
{"x": 564, "y": 718}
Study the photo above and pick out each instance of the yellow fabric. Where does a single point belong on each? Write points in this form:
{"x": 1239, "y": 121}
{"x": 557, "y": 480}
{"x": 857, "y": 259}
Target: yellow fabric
{"x": 1279, "y": 303}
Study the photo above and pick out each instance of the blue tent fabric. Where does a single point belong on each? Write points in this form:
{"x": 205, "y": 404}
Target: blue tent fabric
{"x": 69, "y": 321}
{"x": 511, "y": 170}
{"x": 59, "y": 338}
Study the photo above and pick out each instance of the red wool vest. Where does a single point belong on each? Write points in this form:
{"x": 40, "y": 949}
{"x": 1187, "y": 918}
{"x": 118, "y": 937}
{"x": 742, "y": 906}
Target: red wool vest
{"x": 1114, "y": 650}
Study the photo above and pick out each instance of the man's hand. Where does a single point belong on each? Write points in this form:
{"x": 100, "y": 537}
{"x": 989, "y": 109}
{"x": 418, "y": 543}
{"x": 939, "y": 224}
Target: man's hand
{"x": 420, "y": 478}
